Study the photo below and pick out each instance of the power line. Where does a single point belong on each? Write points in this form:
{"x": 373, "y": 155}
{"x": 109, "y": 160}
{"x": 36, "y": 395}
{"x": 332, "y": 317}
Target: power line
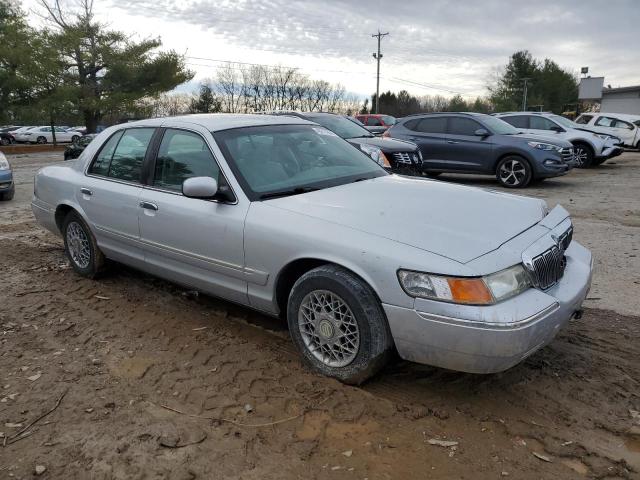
{"x": 426, "y": 85}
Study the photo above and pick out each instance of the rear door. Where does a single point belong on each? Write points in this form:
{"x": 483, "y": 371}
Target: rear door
{"x": 465, "y": 151}
{"x": 429, "y": 133}
{"x": 190, "y": 240}
{"x": 110, "y": 192}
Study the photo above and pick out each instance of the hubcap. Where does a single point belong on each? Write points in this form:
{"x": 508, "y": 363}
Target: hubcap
{"x": 78, "y": 245}
{"x": 328, "y": 328}
{"x": 512, "y": 172}
{"x": 580, "y": 156}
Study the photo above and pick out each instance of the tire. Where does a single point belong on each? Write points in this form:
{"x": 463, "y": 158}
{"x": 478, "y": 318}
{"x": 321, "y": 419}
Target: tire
{"x": 74, "y": 139}
{"x": 41, "y": 140}
{"x": 433, "y": 174}
{"x": 514, "y": 171}
{"x": 6, "y": 196}
{"x": 86, "y": 258}
{"x": 5, "y": 141}
{"x": 583, "y": 155}
{"x": 599, "y": 161}
{"x": 365, "y": 324}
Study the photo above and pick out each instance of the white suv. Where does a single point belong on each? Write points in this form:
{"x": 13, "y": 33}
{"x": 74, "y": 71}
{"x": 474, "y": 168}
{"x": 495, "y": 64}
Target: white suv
{"x": 590, "y": 147}
{"x": 627, "y": 127}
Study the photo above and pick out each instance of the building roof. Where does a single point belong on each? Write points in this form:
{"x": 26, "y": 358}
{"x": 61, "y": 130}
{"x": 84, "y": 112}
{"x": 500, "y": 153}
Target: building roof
{"x": 621, "y": 89}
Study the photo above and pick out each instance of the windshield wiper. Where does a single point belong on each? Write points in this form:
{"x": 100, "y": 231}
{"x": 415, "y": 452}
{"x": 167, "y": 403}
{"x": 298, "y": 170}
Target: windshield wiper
{"x": 286, "y": 193}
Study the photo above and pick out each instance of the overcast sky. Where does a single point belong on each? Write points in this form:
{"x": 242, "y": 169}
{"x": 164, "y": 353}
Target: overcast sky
{"x": 448, "y": 46}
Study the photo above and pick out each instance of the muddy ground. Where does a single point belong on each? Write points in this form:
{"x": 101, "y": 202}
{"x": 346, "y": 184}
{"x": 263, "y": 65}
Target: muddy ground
{"x": 145, "y": 380}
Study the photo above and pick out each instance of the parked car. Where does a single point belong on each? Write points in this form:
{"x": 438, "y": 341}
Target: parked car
{"x": 76, "y": 148}
{"x": 18, "y": 135}
{"x": 482, "y": 144}
{"x": 396, "y": 155}
{"x": 625, "y": 127}
{"x": 79, "y": 128}
{"x": 591, "y": 148}
{"x": 5, "y": 139}
{"x": 45, "y": 135}
{"x": 376, "y": 123}
{"x": 285, "y": 217}
{"x": 7, "y": 185}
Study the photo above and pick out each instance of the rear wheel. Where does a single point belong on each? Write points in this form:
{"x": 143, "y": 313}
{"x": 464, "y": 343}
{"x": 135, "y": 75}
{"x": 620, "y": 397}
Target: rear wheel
{"x": 74, "y": 139}
{"x": 41, "y": 140}
{"x": 337, "y": 324}
{"x": 7, "y": 195}
{"x": 4, "y": 141}
{"x": 81, "y": 247}
{"x": 583, "y": 155}
{"x": 514, "y": 172}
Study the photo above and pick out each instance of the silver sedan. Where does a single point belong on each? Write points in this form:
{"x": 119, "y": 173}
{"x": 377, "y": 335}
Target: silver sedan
{"x": 281, "y": 215}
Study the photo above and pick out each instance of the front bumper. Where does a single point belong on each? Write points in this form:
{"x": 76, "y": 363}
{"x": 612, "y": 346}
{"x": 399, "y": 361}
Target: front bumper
{"x": 611, "y": 151}
{"x": 492, "y": 338}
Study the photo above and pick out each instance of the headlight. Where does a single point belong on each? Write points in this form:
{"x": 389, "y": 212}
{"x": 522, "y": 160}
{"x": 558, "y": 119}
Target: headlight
{"x": 376, "y": 154}
{"x": 544, "y": 146}
{"x": 602, "y": 136}
{"x": 420, "y": 155}
{"x": 471, "y": 291}
{"x": 4, "y": 164}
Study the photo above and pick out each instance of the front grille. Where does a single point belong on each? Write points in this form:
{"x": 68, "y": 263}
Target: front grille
{"x": 548, "y": 267}
{"x": 567, "y": 154}
{"x": 406, "y": 157}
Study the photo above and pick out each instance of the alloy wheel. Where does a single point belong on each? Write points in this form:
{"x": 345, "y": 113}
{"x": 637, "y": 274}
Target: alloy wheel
{"x": 580, "y": 156}
{"x": 328, "y": 328}
{"x": 512, "y": 172}
{"x": 78, "y": 245}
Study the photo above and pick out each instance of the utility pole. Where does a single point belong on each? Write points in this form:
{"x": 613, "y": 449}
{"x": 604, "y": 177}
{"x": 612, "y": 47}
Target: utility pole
{"x": 524, "y": 94}
{"x": 378, "y": 56}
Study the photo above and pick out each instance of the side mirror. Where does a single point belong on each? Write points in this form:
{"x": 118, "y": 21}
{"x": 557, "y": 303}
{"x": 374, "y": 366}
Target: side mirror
{"x": 200, "y": 187}
{"x": 557, "y": 129}
{"x": 481, "y": 132}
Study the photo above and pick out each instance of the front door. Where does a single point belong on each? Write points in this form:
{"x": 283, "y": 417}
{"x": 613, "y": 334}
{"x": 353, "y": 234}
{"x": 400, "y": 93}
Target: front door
{"x": 192, "y": 241}
{"x": 109, "y": 194}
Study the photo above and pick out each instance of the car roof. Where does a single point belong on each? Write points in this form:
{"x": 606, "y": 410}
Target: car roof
{"x": 471, "y": 114}
{"x": 222, "y": 121}
{"x": 541, "y": 114}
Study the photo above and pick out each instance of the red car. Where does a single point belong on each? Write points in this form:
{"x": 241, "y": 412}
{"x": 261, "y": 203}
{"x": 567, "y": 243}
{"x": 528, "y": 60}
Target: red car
{"x": 376, "y": 123}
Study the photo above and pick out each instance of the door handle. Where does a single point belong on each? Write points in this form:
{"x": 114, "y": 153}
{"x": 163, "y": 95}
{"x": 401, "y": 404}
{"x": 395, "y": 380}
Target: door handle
{"x": 452, "y": 142}
{"x": 149, "y": 206}
{"x": 86, "y": 191}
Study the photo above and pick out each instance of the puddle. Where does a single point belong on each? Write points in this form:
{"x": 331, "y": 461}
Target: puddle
{"x": 625, "y": 448}
{"x": 575, "y": 465}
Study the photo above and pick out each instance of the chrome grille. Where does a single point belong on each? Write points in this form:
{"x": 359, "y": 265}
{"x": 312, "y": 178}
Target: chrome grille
{"x": 405, "y": 157}
{"x": 548, "y": 267}
{"x": 567, "y": 154}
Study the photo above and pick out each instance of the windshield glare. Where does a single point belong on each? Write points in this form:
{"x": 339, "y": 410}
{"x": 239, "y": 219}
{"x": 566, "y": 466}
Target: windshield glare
{"x": 499, "y": 127}
{"x": 283, "y": 158}
{"x": 340, "y": 126}
{"x": 565, "y": 122}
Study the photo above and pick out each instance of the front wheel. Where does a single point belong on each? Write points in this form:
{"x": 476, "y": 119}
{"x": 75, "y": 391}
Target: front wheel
{"x": 75, "y": 138}
{"x": 583, "y": 156}
{"x": 4, "y": 141}
{"x": 81, "y": 247}
{"x": 41, "y": 140}
{"x": 337, "y": 324}
{"x": 514, "y": 172}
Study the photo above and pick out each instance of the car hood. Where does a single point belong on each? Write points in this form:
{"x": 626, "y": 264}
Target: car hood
{"x": 454, "y": 221}
{"x": 385, "y": 144}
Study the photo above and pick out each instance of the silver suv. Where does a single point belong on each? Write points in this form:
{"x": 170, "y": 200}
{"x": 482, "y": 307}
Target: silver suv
{"x": 590, "y": 147}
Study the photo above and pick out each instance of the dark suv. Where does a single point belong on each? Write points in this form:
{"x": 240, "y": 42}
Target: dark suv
{"x": 478, "y": 143}
{"x": 396, "y": 155}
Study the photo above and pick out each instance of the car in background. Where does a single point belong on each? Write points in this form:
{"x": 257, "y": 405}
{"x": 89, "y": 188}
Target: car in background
{"x": 76, "y": 148}
{"x": 482, "y": 144}
{"x": 626, "y": 127}
{"x": 591, "y": 147}
{"x": 396, "y": 155}
{"x": 283, "y": 216}
{"x": 44, "y": 134}
{"x": 376, "y": 123}
{"x": 7, "y": 185}
{"x": 9, "y": 130}
{"x": 18, "y": 134}
{"x": 5, "y": 138}
{"x": 80, "y": 129}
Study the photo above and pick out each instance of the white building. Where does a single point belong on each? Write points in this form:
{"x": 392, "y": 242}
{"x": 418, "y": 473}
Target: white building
{"x": 611, "y": 100}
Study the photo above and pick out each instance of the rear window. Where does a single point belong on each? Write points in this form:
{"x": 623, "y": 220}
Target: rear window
{"x": 122, "y": 155}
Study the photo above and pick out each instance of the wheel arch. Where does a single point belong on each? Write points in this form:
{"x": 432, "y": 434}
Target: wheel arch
{"x": 63, "y": 209}
{"x": 586, "y": 143}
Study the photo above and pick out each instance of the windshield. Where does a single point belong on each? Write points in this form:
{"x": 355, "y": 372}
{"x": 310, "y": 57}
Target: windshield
{"x": 340, "y": 126}
{"x": 497, "y": 126}
{"x": 289, "y": 159}
{"x": 565, "y": 122}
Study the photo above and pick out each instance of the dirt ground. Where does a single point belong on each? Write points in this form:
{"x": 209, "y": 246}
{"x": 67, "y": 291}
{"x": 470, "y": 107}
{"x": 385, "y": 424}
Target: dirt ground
{"x": 145, "y": 380}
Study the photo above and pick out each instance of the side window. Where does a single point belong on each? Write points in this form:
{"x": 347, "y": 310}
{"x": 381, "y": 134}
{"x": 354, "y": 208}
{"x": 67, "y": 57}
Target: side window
{"x": 183, "y": 155}
{"x": 374, "y": 122}
{"x": 463, "y": 126}
{"x": 540, "y": 123}
{"x": 584, "y": 119}
{"x": 100, "y": 165}
{"x": 605, "y": 122}
{"x": 623, "y": 124}
{"x": 126, "y": 163}
{"x": 411, "y": 124}
{"x": 518, "y": 121}
{"x": 432, "y": 125}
